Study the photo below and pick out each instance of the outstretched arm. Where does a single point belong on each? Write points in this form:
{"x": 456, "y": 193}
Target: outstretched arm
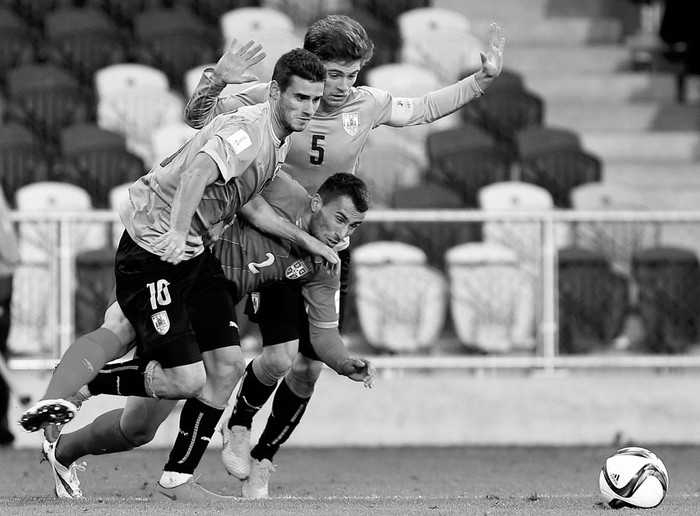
{"x": 442, "y": 102}
{"x": 329, "y": 347}
{"x": 261, "y": 215}
{"x": 205, "y": 103}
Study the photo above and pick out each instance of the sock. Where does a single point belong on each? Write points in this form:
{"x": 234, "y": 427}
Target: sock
{"x": 251, "y": 397}
{"x": 198, "y": 421}
{"x": 81, "y": 362}
{"x": 287, "y": 410}
{"x": 103, "y": 435}
{"x": 121, "y": 379}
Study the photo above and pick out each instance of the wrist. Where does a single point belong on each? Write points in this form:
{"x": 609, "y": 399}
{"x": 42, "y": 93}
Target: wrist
{"x": 215, "y": 78}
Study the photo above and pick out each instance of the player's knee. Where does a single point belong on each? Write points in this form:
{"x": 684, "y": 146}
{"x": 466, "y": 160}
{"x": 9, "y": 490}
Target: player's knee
{"x": 275, "y": 361}
{"x": 117, "y": 323}
{"x": 303, "y": 375}
{"x": 139, "y": 433}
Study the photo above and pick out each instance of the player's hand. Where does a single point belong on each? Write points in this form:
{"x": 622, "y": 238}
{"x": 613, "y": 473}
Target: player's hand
{"x": 330, "y": 257}
{"x": 232, "y": 66}
{"x": 359, "y": 370}
{"x": 171, "y": 246}
{"x": 492, "y": 59}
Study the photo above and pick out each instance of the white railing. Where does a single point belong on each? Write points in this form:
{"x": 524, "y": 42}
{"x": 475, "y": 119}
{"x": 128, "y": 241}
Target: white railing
{"x": 552, "y": 226}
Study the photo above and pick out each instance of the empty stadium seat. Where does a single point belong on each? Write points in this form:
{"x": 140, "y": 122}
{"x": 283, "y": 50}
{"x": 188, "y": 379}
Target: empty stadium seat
{"x": 593, "y": 301}
{"x": 119, "y": 76}
{"x": 492, "y": 300}
{"x": 669, "y": 297}
{"x": 534, "y": 139}
{"x": 23, "y": 159}
{"x": 16, "y": 43}
{"x": 401, "y": 301}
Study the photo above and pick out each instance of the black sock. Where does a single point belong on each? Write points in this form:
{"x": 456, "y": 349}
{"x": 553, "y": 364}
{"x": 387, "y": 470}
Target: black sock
{"x": 121, "y": 379}
{"x": 251, "y": 397}
{"x": 287, "y": 410}
{"x": 197, "y": 424}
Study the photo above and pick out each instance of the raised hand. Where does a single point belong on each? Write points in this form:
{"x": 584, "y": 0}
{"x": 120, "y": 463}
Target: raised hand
{"x": 492, "y": 59}
{"x": 232, "y": 66}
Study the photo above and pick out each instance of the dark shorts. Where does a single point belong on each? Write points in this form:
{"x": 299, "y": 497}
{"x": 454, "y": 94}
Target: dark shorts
{"x": 280, "y": 312}
{"x": 178, "y": 311}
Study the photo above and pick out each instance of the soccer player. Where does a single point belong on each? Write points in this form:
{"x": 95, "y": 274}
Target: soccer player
{"x": 249, "y": 258}
{"x": 162, "y": 262}
{"x": 332, "y": 142}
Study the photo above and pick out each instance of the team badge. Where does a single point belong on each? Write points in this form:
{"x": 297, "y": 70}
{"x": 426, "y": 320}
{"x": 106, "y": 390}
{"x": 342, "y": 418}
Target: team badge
{"x": 296, "y": 270}
{"x": 255, "y": 299}
{"x": 161, "y": 322}
{"x": 351, "y": 123}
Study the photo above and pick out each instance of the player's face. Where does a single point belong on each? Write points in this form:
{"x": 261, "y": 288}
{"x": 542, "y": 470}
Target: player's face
{"x": 340, "y": 77}
{"x": 297, "y": 104}
{"x": 333, "y": 221}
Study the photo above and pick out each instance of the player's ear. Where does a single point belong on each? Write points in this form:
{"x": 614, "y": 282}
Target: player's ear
{"x": 274, "y": 90}
{"x": 316, "y": 203}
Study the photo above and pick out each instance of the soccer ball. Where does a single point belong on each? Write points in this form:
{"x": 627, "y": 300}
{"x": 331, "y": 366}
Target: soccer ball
{"x": 633, "y": 477}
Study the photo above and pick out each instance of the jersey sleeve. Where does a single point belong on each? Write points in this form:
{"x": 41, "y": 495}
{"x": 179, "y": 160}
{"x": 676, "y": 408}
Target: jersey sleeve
{"x": 205, "y": 103}
{"x": 233, "y": 148}
{"x": 405, "y": 111}
{"x": 286, "y": 196}
{"x": 322, "y": 297}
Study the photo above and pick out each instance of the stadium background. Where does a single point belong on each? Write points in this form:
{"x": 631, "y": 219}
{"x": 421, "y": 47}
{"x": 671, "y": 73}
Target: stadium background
{"x": 599, "y": 72}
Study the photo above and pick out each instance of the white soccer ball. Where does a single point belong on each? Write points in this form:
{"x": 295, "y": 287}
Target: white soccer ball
{"x": 633, "y": 477}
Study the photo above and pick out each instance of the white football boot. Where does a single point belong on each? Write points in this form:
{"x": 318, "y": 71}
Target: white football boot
{"x": 256, "y": 485}
{"x": 235, "y": 453}
{"x": 65, "y": 478}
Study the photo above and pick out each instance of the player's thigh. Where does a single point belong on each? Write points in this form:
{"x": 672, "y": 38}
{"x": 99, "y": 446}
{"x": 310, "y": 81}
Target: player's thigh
{"x": 276, "y": 309}
{"x": 143, "y": 416}
{"x": 153, "y": 295}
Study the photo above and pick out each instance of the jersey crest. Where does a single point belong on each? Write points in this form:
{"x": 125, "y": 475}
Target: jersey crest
{"x": 296, "y": 270}
{"x": 351, "y": 123}
{"x": 161, "y": 322}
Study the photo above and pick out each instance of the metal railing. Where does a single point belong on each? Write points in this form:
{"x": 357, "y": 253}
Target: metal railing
{"x": 60, "y": 236}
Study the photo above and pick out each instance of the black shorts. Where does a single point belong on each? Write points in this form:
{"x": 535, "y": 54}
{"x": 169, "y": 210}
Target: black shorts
{"x": 280, "y": 312}
{"x": 158, "y": 297}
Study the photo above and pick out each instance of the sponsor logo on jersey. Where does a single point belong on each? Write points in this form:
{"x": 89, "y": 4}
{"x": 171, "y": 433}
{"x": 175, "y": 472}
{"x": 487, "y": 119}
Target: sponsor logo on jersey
{"x": 351, "y": 123}
{"x": 240, "y": 141}
{"x": 296, "y": 270}
{"x": 161, "y": 322}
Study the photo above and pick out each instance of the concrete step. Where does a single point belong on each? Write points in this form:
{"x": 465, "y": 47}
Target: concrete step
{"x": 536, "y": 59}
{"x": 520, "y": 31}
{"x": 635, "y": 145}
{"x": 613, "y": 116}
{"x": 603, "y": 86}
{"x": 652, "y": 174}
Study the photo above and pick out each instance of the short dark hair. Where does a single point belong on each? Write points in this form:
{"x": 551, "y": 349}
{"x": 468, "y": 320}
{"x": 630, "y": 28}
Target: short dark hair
{"x": 343, "y": 184}
{"x": 301, "y": 63}
{"x": 339, "y": 38}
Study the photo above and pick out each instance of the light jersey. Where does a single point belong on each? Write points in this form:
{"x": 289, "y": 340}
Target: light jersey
{"x": 247, "y": 154}
{"x": 332, "y": 142}
{"x": 250, "y": 258}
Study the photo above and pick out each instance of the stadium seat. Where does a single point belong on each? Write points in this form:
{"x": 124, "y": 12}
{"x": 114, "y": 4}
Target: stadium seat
{"x": 465, "y": 159}
{"x": 593, "y": 301}
{"x": 83, "y": 41}
{"x": 388, "y": 163}
{"x": 560, "y": 170}
{"x": 167, "y": 139}
{"x": 617, "y": 240}
{"x": 401, "y": 301}
{"x": 507, "y": 80}
{"x": 23, "y": 159}
{"x": 492, "y": 300}
{"x": 136, "y": 112}
{"x": 212, "y": 10}
{"x": 388, "y": 11}
{"x": 97, "y": 160}
{"x": 174, "y": 41}
{"x": 669, "y": 297}
{"x": 503, "y": 113}
{"x": 16, "y": 43}
{"x": 534, "y": 139}
{"x": 123, "y": 12}
{"x": 305, "y": 12}
{"x": 439, "y": 39}
{"x": 433, "y": 237}
{"x": 34, "y": 12}
{"x": 46, "y": 99}
{"x": 117, "y": 77}
{"x": 94, "y": 285}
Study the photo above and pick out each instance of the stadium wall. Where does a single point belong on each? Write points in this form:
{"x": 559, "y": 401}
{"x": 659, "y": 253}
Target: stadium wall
{"x": 441, "y": 408}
